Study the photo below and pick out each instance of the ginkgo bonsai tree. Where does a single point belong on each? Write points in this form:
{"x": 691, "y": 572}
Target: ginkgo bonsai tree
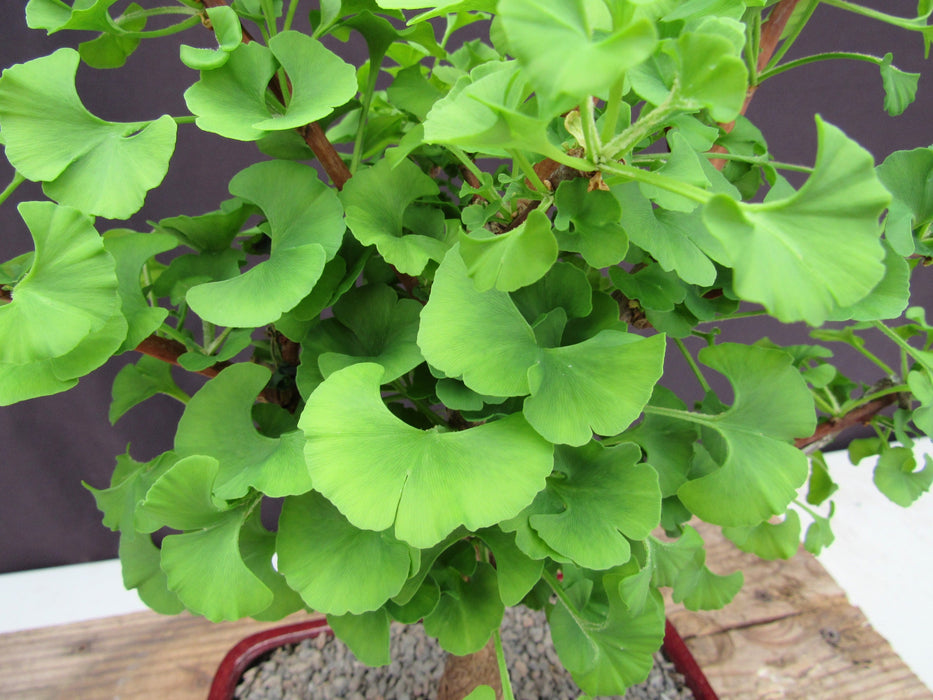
{"x": 434, "y": 313}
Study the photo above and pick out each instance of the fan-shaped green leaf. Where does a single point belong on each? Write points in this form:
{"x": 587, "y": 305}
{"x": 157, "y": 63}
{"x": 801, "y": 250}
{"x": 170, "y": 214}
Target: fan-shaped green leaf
{"x": 681, "y": 565}
{"x": 379, "y": 471}
{"x": 306, "y": 222}
{"x": 218, "y": 422}
{"x": 516, "y": 572}
{"x": 100, "y": 167}
{"x": 111, "y": 50}
{"x": 230, "y": 100}
{"x": 55, "y": 15}
{"x": 468, "y": 612}
{"x": 599, "y": 385}
{"x": 513, "y": 259}
{"x": 367, "y": 635}
{"x": 592, "y": 223}
{"x": 377, "y": 200}
{"x": 900, "y": 87}
{"x": 131, "y": 251}
{"x": 785, "y": 253}
{"x": 204, "y": 566}
{"x": 908, "y": 176}
{"x": 768, "y": 540}
{"x": 69, "y": 292}
{"x": 319, "y": 552}
{"x": 603, "y": 498}
{"x": 897, "y": 477}
{"x": 229, "y": 32}
{"x": 594, "y": 50}
{"x": 606, "y": 651}
{"x": 136, "y": 383}
{"x": 140, "y": 561}
{"x": 761, "y": 470}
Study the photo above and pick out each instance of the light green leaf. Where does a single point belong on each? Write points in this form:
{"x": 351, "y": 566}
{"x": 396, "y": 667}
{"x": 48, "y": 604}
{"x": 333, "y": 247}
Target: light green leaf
{"x": 785, "y": 253}
{"x": 377, "y": 200}
{"x": 204, "y": 566}
{"x": 599, "y": 498}
{"x": 516, "y": 572}
{"x": 897, "y": 477}
{"x": 482, "y": 692}
{"x": 768, "y": 540}
{"x": 819, "y": 533}
{"x": 231, "y": 100}
{"x": 218, "y": 422}
{"x": 681, "y": 565}
{"x": 367, "y": 635}
{"x": 595, "y": 48}
{"x": 599, "y": 385}
{"x": 674, "y": 239}
{"x": 100, "y": 167}
{"x": 306, "y": 222}
{"x": 821, "y": 484}
{"x": 651, "y": 286}
{"x": 136, "y": 383}
{"x": 489, "y": 112}
{"x": 513, "y": 259}
{"x": 336, "y": 567}
{"x": 131, "y": 251}
{"x": 379, "y": 471}
{"x": 468, "y": 612}
{"x": 908, "y": 176}
{"x": 592, "y": 221}
{"x": 900, "y": 87}
{"x": 55, "y": 15}
{"x": 229, "y": 32}
{"x": 128, "y": 486}
{"x": 761, "y": 470}
{"x": 111, "y": 50}
{"x": 69, "y": 292}
{"x": 921, "y": 386}
{"x": 888, "y": 299}
{"x": 370, "y": 324}
{"x": 606, "y": 651}
{"x": 140, "y": 561}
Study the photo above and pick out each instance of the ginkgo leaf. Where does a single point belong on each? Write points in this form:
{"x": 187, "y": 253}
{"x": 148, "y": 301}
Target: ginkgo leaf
{"x": 377, "y": 200}
{"x": 55, "y": 15}
{"x": 306, "y": 228}
{"x": 204, "y": 565}
{"x": 366, "y": 635}
{"x": 600, "y": 384}
{"x": 681, "y": 564}
{"x": 140, "y": 562}
{"x": 513, "y": 259}
{"x": 761, "y": 469}
{"x": 69, "y": 292}
{"x": 230, "y": 100}
{"x": 768, "y": 540}
{"x": 593, "y": 223}
{"x": 370, "y": 324}
{"x": 603, "y": 498}
{"x": 136, "y": 383}
{"x": 468, "y": 612}
{"x": 229, "y": 32}
{"x": 319, "y": 551}
{"x": 100, "y": 167}
{"x": 908, "y": 176}
{"x": 218, "y": 422}
{"x": 516, "y": 572}
{"x": 130, "y": 252}
{"x": 900, "y": 87}
{"x": 606, "y": 648}
{"x": 488, "y": 111}
{"x": 785, "y": 253}
{"x": 381, "y": 472}
{"x": 595, "y": 51}
{"x": 110, "y": 50}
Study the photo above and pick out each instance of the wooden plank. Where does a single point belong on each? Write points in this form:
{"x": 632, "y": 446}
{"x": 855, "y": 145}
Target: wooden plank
{"x": 138, "y": 656}
{"x": 789, "y": 633}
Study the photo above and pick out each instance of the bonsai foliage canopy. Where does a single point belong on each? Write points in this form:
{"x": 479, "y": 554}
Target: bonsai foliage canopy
{"x": 433, "y": 316}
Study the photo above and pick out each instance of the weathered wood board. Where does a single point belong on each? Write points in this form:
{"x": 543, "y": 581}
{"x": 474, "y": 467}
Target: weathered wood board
{"x": 790, "y": 634}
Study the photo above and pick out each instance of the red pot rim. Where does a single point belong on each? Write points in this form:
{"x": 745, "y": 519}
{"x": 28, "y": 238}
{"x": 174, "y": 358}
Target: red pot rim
{"x": 241, "y": 656}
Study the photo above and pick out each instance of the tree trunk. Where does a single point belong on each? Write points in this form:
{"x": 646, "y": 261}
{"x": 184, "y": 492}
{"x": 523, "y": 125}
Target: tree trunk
{"x": 464, "y": 673}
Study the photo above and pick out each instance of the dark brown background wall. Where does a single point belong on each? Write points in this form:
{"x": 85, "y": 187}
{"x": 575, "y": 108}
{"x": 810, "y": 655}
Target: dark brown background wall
{"x": 49, "y": 445}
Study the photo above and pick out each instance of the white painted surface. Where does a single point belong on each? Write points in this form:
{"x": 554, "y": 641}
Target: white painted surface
{"x": 62, "y": 594}
{"x": 882, "y": 557}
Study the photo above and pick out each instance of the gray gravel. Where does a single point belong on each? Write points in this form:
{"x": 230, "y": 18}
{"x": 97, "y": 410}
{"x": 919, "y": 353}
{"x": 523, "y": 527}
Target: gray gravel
{"x": 323, "y": 668}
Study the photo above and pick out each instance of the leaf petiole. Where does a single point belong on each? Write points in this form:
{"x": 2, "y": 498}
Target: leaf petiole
{"x": 592, "y": 142}
{"x": 925, "y": 358}
{"x": 154, "y": 12}
{"x": 503, "y": 668}
{"x": 828, "y": 56}
{"x": 642, "y": 128}
{"x": 664, "y": 182}
{"x": 18, "y": 180}
{"x": 561, "y": 594}
{"x": 192, "y": 21}
{"x": 693, "y": 365}
{"x": 522, "y": 161}
{"x": 290, "y": 15}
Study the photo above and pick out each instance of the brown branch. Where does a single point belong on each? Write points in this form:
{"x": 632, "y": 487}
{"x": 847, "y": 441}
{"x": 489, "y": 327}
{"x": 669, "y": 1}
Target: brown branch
{"x": 313, "y": 134}
{"x": 771, "y": 32}
{"x": 169, "y": 351}
{"x": 859, "y": 416}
